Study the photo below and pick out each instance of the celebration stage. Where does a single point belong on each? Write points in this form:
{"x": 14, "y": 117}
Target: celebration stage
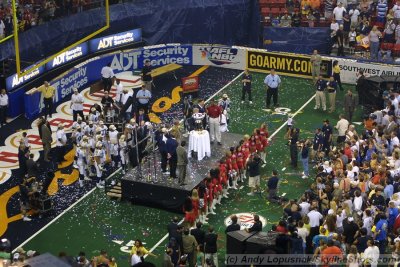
{"x": 150, "y": 187}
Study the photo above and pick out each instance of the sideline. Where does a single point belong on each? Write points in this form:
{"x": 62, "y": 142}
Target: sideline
{"x": 211, "y": 97}
{"x": 62, "y": 213}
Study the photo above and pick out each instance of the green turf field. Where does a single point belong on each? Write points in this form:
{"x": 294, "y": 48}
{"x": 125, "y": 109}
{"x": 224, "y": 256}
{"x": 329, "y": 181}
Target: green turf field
{"x": 99, "y": 223}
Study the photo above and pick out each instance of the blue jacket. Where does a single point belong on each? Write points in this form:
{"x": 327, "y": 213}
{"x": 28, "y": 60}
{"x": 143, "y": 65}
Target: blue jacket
{"x": 171, "y": 146}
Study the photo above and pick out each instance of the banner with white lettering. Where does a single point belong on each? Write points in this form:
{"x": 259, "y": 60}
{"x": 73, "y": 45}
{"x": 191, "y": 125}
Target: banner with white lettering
{"x": 219, "y": 56}
{"x": 112, "y": 41}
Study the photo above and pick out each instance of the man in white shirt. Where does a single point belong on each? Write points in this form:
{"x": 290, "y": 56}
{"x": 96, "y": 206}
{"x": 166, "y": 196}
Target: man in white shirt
{"x": 342, "y": 126}
{"x": 371, "y": 254}
{"x": 394, "y": 142}
{"x": 315, "y": 220}
{"x": 76, "y": 105}
{"x": 143, "y": 98}
{"x": 338, "y": 13}
{"x": 126, "y": 99}
{"x": 354, "y": 14}
{"x": 107, "y": 74}
{"x": 3, "y": 107}
{"x": 305, "y": 207}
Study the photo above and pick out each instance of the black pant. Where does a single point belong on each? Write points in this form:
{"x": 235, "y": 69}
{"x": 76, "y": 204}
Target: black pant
{"x": 272, "y": 92}
{"x": 173, "y": 160}
{"x": 246, "y": 90}
{"x": 340, "y": 51}
{"x": 75, "y": 114}
{"x": 3, "y": 115}
{"x": 107, "y": 83}
{"x": 336, "y": 77}
{"x": 293, "y": 155}
{"x": 145, "y": 107}
{"x": 164, "y": 160}
{"x": 48, "y": 106}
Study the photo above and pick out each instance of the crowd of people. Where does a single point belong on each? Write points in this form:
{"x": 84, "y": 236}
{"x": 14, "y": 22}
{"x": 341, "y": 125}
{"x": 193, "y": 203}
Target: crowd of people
{"x": 31, "y": 13}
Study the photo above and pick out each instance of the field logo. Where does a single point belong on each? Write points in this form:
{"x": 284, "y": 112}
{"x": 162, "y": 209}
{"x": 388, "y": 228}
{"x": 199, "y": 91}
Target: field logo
{"x": 219, "y": 55}
{"x": 245, "y": 220}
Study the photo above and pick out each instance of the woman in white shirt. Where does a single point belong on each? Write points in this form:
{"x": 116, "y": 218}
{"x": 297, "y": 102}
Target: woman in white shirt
{"x": 334, "y": 28}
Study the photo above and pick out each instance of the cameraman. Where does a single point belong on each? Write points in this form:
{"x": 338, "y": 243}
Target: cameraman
{"x": 253, "y": 168}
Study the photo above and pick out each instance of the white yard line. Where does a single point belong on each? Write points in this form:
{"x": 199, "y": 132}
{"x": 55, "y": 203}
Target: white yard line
{"x": 61, "y": 214}
{"x": 297, "y": 112}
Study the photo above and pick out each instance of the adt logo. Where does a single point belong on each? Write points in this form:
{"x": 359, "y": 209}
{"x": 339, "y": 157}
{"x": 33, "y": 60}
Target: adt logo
{"x": 219, "y": 55}
{"x": 105, "y": 43}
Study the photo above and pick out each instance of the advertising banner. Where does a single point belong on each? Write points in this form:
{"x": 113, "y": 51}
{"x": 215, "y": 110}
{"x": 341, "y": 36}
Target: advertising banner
{"x": 68, "y": 56}
{"x": 190, "y": 84}
{"x": 13, "y": 81}
{"x": 115, "y": 40}
{"x": 219, "y": 56}
{"x": 350, "y": 68}
{"x": 292, "y": 65}
{"x": 159, "y": 56}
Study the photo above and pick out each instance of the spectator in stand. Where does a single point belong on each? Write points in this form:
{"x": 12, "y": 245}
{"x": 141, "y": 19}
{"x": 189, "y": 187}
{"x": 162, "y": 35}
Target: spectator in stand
{"x": 2, "y": 29}
{"x": 340, "y": 34}
{"x": 286, "y": 20}
{"x": 352, "y": 40}
{"x": 296, "y": 19}
{"x": 365, "y": 12}
{"x": 363, "y": 27}
{"x": 390, "y": 27}
{"x": 334, "y": 28}
{"x": 374, "y": 36}
{"x": 338, "y": 13}
{"x": 396, "y": 11}
{"x": 382, "y": 8}
{"x": 354, "y": 14}
{"x": 328, "y": 9}
{"x": 397, "y": 34}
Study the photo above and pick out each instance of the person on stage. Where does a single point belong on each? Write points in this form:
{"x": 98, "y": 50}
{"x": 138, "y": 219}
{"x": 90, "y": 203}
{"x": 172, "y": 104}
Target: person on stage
{"x": 107, "y": 74}
{"x": 272, "y": 81}
{"x": 3, "y": 107}
{"x": 143, "y": 97}
{"x": 123, "y": 152}
{"x": 214, "y": 112}
{"x": 246, "y": 89}
{"x": 182, "y": 162}
{"x": 146, "y": 75}
{"x": 171, "y": 146}
{"x": 107, "y": 103}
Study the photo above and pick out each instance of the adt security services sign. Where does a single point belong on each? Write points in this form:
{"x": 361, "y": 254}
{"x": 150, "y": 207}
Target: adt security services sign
{"x": 67, "y": 56}
{"x": 14, "y": 81}
{"x": 115, "y": 40}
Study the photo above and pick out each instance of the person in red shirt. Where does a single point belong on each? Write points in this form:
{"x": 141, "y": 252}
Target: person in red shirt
{"x": 214, "y": 113}
{"x": 240, "y": 163}
{"x": 264, "y": 140}
{"x": 332, "y": 255}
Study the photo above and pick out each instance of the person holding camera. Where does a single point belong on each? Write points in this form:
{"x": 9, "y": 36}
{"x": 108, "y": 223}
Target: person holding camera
{"x": 253, "y": 169}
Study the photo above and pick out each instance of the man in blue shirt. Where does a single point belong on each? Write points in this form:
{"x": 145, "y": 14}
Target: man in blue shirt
{"x": 272, "y": 81}
{"x": 317, "y": 143}
{"x": 327, "y": 133}
{"x": 332, "y": 87}
{"x": 143, "y": 98}
{"x": 381, "y": 232}
{"x": 272, "y": 186}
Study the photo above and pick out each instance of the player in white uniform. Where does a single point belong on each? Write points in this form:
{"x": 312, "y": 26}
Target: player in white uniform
{"x": 90, "y": 129}
{"x": 103, "y": 128}
{"x": 114, "y": 153}
{"x": 113, "y": 133}
{"x": 81, "y": 162}
{"x": 123, "y": 150}
{"x": 99, "y": 159}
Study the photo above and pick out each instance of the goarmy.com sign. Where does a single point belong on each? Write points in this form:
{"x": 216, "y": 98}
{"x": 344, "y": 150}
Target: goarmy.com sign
{"x": 286, "y": 64}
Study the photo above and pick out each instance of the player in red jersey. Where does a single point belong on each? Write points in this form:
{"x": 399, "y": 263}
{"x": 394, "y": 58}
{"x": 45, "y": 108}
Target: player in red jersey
{"x": 264, "y": 139}
{"x": 228, "y": 163}
{"x": 189, "y": 212}
{"x": 211, "y": 201}
{"x": 232, "y": 173}
{"x": 195, "y": 203}
{"x": 223, "y": 176}
{"x": 240, "y": 163}
{"x": 202, "y": 190}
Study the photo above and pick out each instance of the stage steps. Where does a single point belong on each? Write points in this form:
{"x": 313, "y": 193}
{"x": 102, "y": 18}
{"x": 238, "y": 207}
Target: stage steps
{"x": 114, "y": 191}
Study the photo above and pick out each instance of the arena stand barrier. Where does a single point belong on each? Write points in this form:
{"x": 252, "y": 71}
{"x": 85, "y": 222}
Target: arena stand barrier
{"x": 258, "y": 60}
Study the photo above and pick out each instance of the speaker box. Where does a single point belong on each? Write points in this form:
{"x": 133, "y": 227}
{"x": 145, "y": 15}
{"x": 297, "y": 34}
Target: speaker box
{"x": 236, "y": 241}
{"x": 262, "y": 243}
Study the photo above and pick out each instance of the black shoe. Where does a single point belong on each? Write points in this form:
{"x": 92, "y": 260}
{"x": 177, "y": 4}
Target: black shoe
{"x": 276, "y": 105}
{"x": 219, "y": 143}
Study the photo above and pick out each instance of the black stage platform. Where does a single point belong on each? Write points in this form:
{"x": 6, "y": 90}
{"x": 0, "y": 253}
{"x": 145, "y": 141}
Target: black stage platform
{"x": 157, "y": 190}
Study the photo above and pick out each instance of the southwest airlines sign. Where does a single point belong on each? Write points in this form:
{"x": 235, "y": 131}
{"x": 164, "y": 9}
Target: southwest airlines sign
{"x": 118, "y": 39}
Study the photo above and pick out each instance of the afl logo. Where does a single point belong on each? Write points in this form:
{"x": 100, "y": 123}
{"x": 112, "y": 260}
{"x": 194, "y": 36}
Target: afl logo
{"x": 245, "y": 220}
